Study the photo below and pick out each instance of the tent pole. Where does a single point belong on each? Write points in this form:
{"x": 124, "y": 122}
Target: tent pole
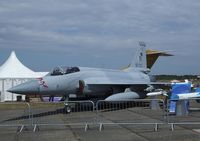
{"x": 2, "y": 94}
{"x": 12, "y": 86}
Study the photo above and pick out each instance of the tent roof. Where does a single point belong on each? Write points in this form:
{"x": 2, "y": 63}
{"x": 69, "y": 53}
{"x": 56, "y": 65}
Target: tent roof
{"x": 13, "y": 68}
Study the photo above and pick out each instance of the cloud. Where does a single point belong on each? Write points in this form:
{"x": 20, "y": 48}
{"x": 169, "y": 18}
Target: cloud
{"x": 91, "y": 27}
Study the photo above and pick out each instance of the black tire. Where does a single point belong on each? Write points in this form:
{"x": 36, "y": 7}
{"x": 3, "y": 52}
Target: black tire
{"x": 198, "y": 101}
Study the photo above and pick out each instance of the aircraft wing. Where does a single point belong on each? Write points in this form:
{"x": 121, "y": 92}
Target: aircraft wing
{"x": 129, "y": 89}
{"x": 114, "y": 81}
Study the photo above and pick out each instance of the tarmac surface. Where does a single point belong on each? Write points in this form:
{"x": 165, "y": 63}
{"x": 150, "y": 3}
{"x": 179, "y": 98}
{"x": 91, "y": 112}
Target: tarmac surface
{"x": 111, "y": 132}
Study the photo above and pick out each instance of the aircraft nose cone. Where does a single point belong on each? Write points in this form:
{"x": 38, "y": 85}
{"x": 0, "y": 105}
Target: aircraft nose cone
{"x": 30, "y": 87}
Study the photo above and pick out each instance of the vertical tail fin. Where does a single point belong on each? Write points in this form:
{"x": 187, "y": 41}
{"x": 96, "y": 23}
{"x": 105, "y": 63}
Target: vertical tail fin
{"x": 139, "y": 60}
{"x": 145, "y": 59}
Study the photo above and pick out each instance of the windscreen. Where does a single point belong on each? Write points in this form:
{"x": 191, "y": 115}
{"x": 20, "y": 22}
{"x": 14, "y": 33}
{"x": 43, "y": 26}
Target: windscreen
{"x": 64, "y": 70}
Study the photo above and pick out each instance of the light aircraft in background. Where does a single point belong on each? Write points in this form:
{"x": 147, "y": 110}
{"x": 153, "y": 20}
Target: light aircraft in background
{"x": 191, "y": 95}
{"x": 181, "y": 96}
{"x": 85, "y": 82}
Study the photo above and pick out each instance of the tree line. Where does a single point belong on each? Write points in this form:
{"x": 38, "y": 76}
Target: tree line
{"x": 176, "y": 77}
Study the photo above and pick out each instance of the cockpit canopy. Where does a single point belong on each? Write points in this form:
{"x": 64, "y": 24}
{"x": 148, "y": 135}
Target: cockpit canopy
{"x": 64, "y": 70}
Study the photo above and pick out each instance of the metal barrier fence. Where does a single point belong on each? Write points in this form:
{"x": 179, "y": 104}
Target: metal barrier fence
{"x": 137, "y": 113}
{"x": 186, "y": 113}
{"x": 133, "y": 112}
{"x": 15, "y": 115}
{"x": 79, "y": 113}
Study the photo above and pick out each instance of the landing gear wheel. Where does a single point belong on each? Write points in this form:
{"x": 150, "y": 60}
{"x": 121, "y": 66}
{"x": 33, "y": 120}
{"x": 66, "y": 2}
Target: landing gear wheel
{"x": 67, "y": 108}
{"x": 198, "y": 101}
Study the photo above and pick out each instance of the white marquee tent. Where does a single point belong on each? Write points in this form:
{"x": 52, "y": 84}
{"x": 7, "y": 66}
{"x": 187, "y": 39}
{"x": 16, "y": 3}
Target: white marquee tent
{"x": 12, "y": 73}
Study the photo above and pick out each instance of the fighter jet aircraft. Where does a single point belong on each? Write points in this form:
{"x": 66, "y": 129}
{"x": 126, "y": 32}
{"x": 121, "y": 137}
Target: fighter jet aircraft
{"x": 84, "y": 82}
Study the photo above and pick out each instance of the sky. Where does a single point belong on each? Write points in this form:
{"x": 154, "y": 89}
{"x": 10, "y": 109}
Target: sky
{"x": 101, "y": 33}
